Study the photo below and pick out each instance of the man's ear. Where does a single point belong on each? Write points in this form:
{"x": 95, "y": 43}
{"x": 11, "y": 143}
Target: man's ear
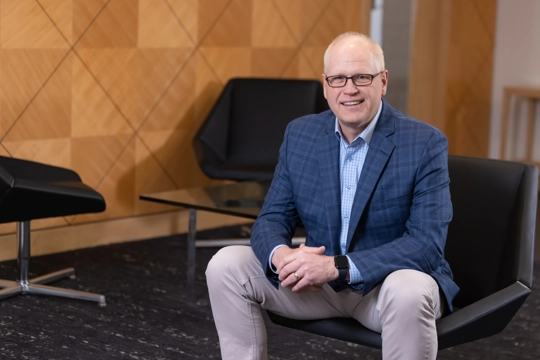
{"x": 384, "y": 79}
{"x": 324, "y": 85}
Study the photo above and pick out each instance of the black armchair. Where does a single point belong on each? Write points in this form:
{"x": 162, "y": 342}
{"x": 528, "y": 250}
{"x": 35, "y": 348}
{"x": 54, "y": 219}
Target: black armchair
{"x": 241, "y": 136}
{"x": 28, "y": 191}
{"x": 489, "y": 247}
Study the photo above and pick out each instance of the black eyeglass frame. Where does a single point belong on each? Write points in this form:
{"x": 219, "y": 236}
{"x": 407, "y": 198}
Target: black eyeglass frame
{"x": 373, "y": 76}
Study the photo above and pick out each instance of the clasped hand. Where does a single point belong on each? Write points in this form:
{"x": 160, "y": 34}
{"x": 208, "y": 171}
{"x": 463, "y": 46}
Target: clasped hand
{"x": 304, "y": 268}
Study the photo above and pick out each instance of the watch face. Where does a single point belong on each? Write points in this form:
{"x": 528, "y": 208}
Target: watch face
{"x": 341, "y": 262}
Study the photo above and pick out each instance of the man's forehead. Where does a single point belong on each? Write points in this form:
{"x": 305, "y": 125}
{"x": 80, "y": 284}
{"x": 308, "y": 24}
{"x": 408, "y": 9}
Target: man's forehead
{"x": 350, "y": 57}
{"x": 354, "y": 42}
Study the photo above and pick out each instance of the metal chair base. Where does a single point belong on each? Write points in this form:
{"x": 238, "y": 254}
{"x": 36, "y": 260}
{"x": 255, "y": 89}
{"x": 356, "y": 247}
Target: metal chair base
{"x": 36, "y": 285}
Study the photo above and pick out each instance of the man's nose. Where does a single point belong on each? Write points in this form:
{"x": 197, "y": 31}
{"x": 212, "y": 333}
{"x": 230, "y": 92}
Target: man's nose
{"x": 350, "y": 87}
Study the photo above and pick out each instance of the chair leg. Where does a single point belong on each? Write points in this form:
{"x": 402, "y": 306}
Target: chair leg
{"x": 11, "y": 291}
{"x": 57, "y": 275}
{"x": 68, "y": 293}
{"x": 7, "y": 283}
{"x": 35, "y": 285}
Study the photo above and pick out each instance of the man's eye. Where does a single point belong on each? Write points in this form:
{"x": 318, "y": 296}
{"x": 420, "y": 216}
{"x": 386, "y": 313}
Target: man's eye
{"x": 339, "y": 78}
{"x": 362, "y": 77}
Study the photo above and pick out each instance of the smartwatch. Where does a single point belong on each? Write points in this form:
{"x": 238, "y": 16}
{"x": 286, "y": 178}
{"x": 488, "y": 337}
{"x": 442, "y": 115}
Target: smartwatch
{"x": 342, "y": 264}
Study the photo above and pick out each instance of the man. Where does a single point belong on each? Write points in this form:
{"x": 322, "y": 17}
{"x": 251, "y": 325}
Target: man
{"x": 370, "y": 187}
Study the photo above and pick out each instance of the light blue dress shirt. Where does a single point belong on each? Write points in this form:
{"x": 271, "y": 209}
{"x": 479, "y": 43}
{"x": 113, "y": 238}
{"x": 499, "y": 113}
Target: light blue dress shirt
{"x": 351, "y": 163}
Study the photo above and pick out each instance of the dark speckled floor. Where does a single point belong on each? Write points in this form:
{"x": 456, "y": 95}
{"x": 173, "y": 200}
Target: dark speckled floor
{"x": 147, "y": 317}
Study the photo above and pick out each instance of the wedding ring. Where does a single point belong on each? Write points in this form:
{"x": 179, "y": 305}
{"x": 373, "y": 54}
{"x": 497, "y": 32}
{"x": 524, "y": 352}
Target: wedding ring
{"x": 296, "y": 276}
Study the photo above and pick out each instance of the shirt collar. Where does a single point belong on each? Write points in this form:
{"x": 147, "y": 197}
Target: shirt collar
{"x": 368, "y": 131}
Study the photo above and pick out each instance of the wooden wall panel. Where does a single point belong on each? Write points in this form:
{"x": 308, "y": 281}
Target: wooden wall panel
{"x": 451, "y": 70}
{"x": 116, "y": 89}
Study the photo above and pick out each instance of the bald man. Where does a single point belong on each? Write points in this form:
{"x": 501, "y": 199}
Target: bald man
{"x": 370, "y": 186}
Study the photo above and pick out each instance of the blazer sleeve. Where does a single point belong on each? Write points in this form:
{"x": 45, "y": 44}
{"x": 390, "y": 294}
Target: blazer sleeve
{"x": 277, "y": 221}
{"x": 421, "y": 245}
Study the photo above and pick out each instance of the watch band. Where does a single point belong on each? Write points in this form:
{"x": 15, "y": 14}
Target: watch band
{"x": 342, "y": 264}
{"x": 342, "y": 274}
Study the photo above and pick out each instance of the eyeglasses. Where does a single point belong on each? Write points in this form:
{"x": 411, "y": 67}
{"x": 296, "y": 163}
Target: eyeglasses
{"x": 338, "y": 81}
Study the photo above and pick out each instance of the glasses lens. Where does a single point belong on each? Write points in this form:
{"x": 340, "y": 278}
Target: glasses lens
{"x": 362, "y": 79}
{"x": 337, "y": 81}
{"x": 358, "y": 80}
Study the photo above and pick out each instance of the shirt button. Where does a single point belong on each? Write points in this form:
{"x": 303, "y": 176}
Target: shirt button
{"x": 348, "y": 188}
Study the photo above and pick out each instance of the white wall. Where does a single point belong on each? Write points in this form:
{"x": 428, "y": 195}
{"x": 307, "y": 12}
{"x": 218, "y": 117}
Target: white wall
{"x": 376, "y": 21}
{"x": 396, "y": 38}
{"x": 516, "y": 59}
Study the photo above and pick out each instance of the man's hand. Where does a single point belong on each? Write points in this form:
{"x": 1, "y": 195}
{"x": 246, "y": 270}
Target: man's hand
{"x": 305, "y": 268}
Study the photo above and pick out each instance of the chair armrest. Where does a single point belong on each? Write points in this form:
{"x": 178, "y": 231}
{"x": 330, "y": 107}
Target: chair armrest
{"x": 57, "y": 188}
{"x": 30, "y": 170}
{"x": 484, "y": 318}
{"x": 29, "y": 200}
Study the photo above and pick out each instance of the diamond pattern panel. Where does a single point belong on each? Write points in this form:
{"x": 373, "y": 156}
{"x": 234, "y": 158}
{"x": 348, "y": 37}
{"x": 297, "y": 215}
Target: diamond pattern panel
{"x": 115, "y": 26}
{"x": 93, "y": 112}
{"x": 233, "y": 27}
{"x": 61, "y": 14}
{"x": 185, "y": 11}
{"x": 84, "y": 14}
{"x": 265, "y": 16}
{"x": 271, "y": 62}
{"x": 53, "y": 98}
{"x": 472, "y": 38}
{"x": 116, "y": 89}
{"x": 23, "y": 72}
{"x": 301, "y": 15}
{"x": 150, "y": 176}
{"x": 53, "y": 151}
{"x": 3, "y": 151}
{"x": 175, "y": 108}
{"x": 93, "y": 157}
{"x": 115, "y": 70}
{"x": 159, "y": 27}
{"x": 451, "y": 70}
{"x": 468, "y": 92}
{"x": 25, "y": 25}
{"x": 337, "y": 17}
{"x": 228, "y": 62}
{"x": 117, "y": 187}
{"x": 158, "y": 70}
{"x": 208, "y": 13}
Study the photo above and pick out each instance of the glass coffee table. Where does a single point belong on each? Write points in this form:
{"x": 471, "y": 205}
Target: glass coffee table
{"x": 243, "y": 199}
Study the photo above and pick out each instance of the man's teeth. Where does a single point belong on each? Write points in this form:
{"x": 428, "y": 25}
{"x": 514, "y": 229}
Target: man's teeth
{"x": 349, "y": 103}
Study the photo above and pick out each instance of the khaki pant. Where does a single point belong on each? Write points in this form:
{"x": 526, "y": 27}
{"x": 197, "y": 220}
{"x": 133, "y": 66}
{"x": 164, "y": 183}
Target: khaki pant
{"x": 403, "y": 308}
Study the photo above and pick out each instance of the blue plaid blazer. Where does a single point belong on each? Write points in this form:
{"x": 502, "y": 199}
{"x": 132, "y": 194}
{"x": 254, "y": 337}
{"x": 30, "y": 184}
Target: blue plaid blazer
{"x": 401, "y": 209}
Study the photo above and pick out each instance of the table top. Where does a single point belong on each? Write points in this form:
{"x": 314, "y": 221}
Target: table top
{"x": 243, "y": 199}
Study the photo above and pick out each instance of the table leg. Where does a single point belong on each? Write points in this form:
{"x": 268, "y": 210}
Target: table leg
{"x": 192, "y": 228}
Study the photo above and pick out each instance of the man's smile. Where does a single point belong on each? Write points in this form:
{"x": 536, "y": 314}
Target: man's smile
{"x": 352, "y": 103}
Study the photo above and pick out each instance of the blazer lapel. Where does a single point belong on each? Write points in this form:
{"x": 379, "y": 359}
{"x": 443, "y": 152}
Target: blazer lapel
{"x": 331, "y": 190}
{"x": 380, "y": 149}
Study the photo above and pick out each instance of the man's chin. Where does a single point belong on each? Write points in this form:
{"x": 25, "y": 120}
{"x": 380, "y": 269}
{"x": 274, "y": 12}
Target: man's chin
{"x": 353, "y": 122}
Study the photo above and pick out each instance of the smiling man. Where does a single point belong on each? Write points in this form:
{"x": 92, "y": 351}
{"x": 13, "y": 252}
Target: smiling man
{"x": 351, "y": 63}
{"x": 370, "y": 186}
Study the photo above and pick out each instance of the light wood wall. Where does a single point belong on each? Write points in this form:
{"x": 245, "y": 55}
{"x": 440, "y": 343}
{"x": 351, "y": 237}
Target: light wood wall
{"x": 116, "y": 89}
{"x": 451, "y": 70}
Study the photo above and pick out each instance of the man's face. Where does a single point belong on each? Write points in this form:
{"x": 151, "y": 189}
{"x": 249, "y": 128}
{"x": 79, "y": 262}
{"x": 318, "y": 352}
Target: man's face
{"x": 354, "y": 106}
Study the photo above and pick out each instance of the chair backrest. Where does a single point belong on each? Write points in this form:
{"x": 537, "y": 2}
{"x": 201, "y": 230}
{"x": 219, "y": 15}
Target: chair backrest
{"x": 490, "y": 244}
{"x": 247, "y": 123}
